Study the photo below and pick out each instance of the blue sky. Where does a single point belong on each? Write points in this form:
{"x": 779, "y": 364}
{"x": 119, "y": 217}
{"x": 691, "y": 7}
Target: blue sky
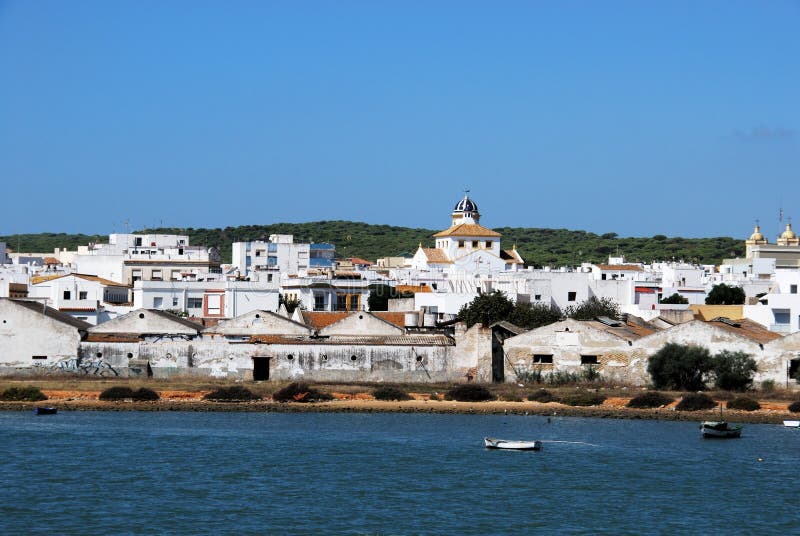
{"x": 640, "y": 118}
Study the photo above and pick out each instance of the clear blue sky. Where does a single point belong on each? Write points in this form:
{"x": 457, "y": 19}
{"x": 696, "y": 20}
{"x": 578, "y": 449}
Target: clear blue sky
{"x": 641, "y": 118}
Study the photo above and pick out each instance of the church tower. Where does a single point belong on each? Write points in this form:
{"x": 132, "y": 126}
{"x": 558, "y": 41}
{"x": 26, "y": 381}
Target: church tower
{"x": 465, "y": 211}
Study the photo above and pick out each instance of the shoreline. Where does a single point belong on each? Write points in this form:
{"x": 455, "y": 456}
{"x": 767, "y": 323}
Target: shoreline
{"x": 763, "y": 416}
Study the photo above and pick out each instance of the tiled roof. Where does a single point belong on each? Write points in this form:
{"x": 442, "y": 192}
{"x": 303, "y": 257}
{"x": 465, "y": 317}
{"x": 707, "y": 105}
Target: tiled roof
{"x": 359, "y": 340}
{"x": 436, "y": 256}
{"x": 321, "y": 319}
{"x": 398, "y": 319}
{"x": 468, "y": 229}
{"x": 413, "y": 288}
{"x": 746, "y": 328}
{"x": 628, "y": 331}
{"x": 51, "y": 260}
{"x": 621, "y": 267}
{"x": 107, "y": 282}
{"x": 356, "y": 260}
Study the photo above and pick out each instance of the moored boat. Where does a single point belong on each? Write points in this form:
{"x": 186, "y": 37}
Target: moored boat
{"x": 720, "y": 430}
{"x": 492, "y": 443}
{"x": 791, "y": 424}
{"x": 44, "y": 410}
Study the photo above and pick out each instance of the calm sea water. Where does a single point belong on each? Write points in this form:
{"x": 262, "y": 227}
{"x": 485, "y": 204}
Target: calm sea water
{"x": 254, "y": 473}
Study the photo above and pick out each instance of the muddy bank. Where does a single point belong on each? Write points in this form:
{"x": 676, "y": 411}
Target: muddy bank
{"x": 772, "y": 416}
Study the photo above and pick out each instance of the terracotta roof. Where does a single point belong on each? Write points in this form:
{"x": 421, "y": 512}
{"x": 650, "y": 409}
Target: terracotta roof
{"x": 468, "y": 229}
{"x": 51, "y": 260}
{"x": 112, "y": 337}
{"x": 628, "y": 331}
{"x": 357, "y": 260}
{"x": 620, "y": 267}
{"x": 436, "y": 256}
{"x": 321, "y": 319}
{"x": 413, "y": 288}
{"x": 746, "y": 328}
{"x": 107, "y": 282}
{"x": 398, "y": 319}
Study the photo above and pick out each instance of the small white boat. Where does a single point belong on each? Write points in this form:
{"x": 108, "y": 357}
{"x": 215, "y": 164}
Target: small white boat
{"x": 791, "y": 424}
{"x": 511, "y": 445}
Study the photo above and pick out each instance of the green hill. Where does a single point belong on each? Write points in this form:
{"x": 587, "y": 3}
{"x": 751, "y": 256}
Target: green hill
{"x": 554, "y": 247}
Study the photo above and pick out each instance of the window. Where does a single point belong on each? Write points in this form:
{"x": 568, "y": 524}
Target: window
{"x": 156, "y": 275}
{"x": 174, "y": 302}
{"x": 341, "y": 302}
{"x": 194, "y": 303}
{"x": 603, "y": 276}
{"x": 488, "y": 244}
{"x": 67, "y": 295}
{"x": 158, "y": 301}
{"x": 461, "y": 243}
{"x": 269, "y": 278}
{"x": 589, "y": 360}
{"x": 543, "y": 359}
{"x": 475, "y": 244}
{"x": 38, "y": 357}
{"x": 137, "y": 241}
{"x": 180, "y": 251}
{"x": 319, "y": 302}
{"x": 571, "y": 296}
{"x": 84, "y": 318}
{"x": 136, "y": 275}
{"x": 537, "y": 296}
{"x": 258, "y": 252}
{"x": 83, "y": 295}
{"x": 781, "y": 316}
{"x": 181, "y": 242}
{"x": 793, "y": 289}
{"x": 354, "y": 302}
{"x": 214, "y": 304}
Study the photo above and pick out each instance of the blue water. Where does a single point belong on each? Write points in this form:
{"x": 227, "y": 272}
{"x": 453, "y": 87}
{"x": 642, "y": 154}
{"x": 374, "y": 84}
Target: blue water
{"x": 259, "y": 473}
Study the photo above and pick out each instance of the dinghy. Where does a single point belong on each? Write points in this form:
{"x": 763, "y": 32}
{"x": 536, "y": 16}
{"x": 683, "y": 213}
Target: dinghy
{"x": 511, "y": 445}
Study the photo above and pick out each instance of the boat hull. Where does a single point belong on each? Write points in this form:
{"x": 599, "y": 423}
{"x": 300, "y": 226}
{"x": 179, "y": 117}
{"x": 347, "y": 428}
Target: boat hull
{"x": 720, "y": 430}
{"x": 791, "y": 424}
{"x": 39, "y": 410}
{"x": 503, "y": 444}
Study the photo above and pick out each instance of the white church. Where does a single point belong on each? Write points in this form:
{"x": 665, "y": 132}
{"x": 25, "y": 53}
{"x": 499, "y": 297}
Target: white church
{"x": 467, "y": 246}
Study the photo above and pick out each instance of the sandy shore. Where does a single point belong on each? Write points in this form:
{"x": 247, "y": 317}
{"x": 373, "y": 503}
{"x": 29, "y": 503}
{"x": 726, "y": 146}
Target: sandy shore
{"x": 613, "y": 408}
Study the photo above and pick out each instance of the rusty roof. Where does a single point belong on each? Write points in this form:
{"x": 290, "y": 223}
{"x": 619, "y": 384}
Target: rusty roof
{"x": 746, "y": 328}
{"x": 436, "y": 256}
{"x": 398, "y": 319}
{"x": 320, "y": 319}
{"x": 113, "y": 337}
{"x": 629, "y": 331}
{"x": 468, "y": 229}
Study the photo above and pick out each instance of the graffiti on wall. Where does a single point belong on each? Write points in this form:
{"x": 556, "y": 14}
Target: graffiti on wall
{"x": 77, "y": 365}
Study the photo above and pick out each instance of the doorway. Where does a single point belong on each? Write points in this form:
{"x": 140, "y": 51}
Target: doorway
{"x": 260, "y": 369}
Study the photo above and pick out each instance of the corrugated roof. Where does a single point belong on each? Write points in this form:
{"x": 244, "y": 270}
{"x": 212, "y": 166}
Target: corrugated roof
{"x": 468, "y": 229}
{"x": 627, "y": 331}
{"x": 746, "y": 328}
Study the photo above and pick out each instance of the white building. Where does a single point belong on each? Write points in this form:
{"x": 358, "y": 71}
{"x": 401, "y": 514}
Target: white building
{"x": 280, "y": 255}
{"x": 778, "y": 309}
{"x": 88, "y": 298}
{"x": 137, "y": 257}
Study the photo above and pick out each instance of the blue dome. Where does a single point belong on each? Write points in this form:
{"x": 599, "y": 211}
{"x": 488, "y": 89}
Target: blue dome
{"x": 466, "y": 205}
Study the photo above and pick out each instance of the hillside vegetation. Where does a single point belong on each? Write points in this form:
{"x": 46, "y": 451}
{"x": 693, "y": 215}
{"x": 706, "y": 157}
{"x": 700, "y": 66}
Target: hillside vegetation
{"x": 539, "y": 247}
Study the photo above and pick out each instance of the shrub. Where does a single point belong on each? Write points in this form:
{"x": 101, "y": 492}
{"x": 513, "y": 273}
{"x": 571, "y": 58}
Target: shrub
{"x": 542, "y": 395}
{"x": 117, "y": 393}
{"x": 234, "y": 393}
{"x": 469, "y": 393}
{"x": 27, "y": 394}
{"x": 733, "y": 371}
{"x": 743, "y": 403}
{"x": 590, "y": 374}
{"x": 695, "y": 402}
{"x": 561, "y": 377}
{"x": 530, "y": 376}
{"x": 145, "y": 394}
{"x": 680, "y": 366}
{"x": 300, "y": 392}
{"x": 650, "y": 399}
{"x": 583, "y": 398}
{"x": 125, "y": 393}
{"x": 794, "y": 407}
{"x": 768, "y": 386}
{"x": 390, "y": 393}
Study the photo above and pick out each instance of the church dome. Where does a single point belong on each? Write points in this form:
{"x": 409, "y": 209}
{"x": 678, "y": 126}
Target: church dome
{"x": 757, "y": 236}
{"x": 466, "y": 205}
{"x": 788, "y": 233}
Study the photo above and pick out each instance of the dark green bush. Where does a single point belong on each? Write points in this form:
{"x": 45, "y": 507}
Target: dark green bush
{"x": 542, "y": 395}
{"x": 234, "y": 393}
{"x": 695, "y": 402}
{"x": 469, "y": 393}
{"x": 733, "y": 371}
{"x": 562, "y": 377}
{"x": 390, "y": 393}
{"x": 794, "y": 407}
{"x": 680, "y": 366}
{"x": 26, "y": 394}
{"x": 768, "y": 386}
{"x": 650, "y": 399}
{"x": 126, "y": 393}
{"x": 583, "y": 398}
{"x": 743, "y": 403}
{"x": 300, "y": 392}
{"x": 117, "y": 393}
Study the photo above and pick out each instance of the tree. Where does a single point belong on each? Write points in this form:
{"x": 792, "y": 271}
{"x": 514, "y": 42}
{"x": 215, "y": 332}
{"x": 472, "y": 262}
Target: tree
{"x": 290, "y": 303}
{"x": 486, "y": 309}
{"x": 733, "y": 371}
{"x": 722, "y": 294}
{"x": 675, "y": 299}
{"x": 593, "y": 307}
{"x": 534, "y": 315}
{"x": 683, "y": 367}
{"x": 379, "y": 296}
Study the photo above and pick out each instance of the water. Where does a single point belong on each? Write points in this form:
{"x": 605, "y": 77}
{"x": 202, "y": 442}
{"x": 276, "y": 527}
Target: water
{"x": 258, "y": 473}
